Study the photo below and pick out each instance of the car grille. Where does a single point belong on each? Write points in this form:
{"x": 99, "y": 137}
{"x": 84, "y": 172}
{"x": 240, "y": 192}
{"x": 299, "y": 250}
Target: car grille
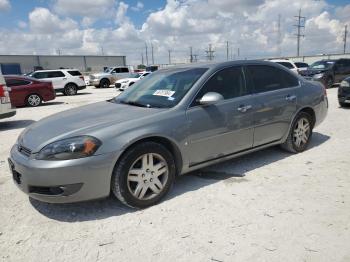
{"x": 91, "y": 77}
{"x": 118, "y": 85}
{"x": 24, "y": 151}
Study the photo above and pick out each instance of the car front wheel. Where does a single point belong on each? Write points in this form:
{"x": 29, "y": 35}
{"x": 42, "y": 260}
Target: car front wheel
{"x": 70, "y": 90}
{"x": 33, "y": 100}
{"x": 300, "y": 134}
{"x": 144, "y": 175}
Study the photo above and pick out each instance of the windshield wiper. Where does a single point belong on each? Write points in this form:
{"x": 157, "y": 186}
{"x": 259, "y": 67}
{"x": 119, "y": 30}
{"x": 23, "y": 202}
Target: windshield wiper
{"x": 134, "y": 103}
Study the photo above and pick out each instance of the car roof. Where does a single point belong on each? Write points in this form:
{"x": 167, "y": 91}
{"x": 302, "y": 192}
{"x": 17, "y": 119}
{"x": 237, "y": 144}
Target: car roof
{"x": 21, "y": 77}
{"x": 281, "y": 60}
{"x": 217, "y": 66}
{"x": 52, "y": 70}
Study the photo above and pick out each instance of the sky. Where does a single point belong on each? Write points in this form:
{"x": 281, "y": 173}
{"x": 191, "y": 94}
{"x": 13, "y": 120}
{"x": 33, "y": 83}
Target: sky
{"x": 113, "y": 27}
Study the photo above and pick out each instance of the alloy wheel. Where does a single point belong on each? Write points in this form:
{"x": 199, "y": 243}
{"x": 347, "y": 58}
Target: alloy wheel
{"x": 34, "y": 100}
{"x": 301, "y": 132}
{"x": 147, "y": 176}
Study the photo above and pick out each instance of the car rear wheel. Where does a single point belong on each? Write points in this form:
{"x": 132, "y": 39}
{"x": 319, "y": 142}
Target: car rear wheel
{"x": 33, "y": 100}
{"x": 300, "y": 134}
{"x": 144, "y": 175}
{"x": 105, "y": 83}
{"x": 70, "y": 90}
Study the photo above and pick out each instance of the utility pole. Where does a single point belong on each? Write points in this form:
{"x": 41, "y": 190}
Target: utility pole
{"x": 279, "y": 36}
{"x": 301, "y": 22}
{"x": 227, "y": 50}
{"x": 210, "y": 53}
{"x": 152, "y": 54}
{"x": 169, "y": 51}
{"x": 345, "y": 36}
{"x": 238, "y": 52}
{"x": 58, "y": 51}
{"x": 141, "y": 58}
{"x": 191, "y": 55}
{"x": 146, "y": 53}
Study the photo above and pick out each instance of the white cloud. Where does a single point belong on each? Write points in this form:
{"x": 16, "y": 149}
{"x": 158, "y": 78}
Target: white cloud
{"x": 121, "y": 14}
{"x": 138, "y": 7}
{"x": 87, "y": 8}
{"x": 42, "y": 21}
{"x": 250, "y": 25}
{"x": 22, "y": 24}
{"x": 5, "y": 5}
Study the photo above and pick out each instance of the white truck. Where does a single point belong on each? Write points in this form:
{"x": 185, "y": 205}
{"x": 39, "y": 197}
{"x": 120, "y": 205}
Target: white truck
{"x": 6, "y": 109}
{"x": 110, "y": 76}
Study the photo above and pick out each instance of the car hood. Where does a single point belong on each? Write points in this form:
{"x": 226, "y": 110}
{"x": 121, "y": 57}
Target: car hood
{"x": 128, "y": 79}
{"x": 80, "y": 121}
{"x": 311, "y": 72}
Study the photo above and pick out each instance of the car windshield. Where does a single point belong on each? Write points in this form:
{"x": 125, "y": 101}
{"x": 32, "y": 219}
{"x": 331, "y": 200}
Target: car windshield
{"x": 108, "y": 70}
{"x": 163, "y": 89}
{"x": 322, "y": 65}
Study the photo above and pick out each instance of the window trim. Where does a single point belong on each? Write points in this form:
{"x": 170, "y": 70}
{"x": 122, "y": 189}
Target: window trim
{"x": 225, "y": 100}
{"x": 29, "y": 82}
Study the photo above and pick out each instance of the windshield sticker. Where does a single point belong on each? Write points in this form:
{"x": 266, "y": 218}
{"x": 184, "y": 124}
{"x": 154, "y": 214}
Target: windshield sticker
{"x": 166, "y": 93}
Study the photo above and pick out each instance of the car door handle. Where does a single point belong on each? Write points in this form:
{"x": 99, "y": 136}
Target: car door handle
{"x": 291, "y": 98}
{"x": 243, "y": 108}
{"x": 64, "y": 78}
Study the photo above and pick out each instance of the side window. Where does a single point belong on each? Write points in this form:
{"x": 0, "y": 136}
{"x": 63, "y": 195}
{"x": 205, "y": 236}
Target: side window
{"x": 16, "y": 82}
{"x": 40, "y": 75}
{"x": 74, "y": 73}
{"x": 268, "y": 78}
{"x": 116, "y": 70}
{"x": 124, "y": 70}
{"x": 228, "y": 82}
{"x": 53, "y": 74}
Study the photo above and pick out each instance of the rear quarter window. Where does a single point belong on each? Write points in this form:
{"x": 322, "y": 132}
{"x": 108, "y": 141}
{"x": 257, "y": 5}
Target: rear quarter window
{"x": 286, "y": 64}
{"x": 74, "y": 73}
{"x": 268, "y": 78}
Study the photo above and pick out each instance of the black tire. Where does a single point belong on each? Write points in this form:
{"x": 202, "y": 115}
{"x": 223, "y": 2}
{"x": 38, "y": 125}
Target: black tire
{"x": 70, "y": 89}
{"x": 33, "y": 100}
{"x": 329, "y": 82}
{"x": 342, "y": 104}
{"x": 120, "y": 184}
{"x": 104, "y": 83}
{"x": 290, "y": 144}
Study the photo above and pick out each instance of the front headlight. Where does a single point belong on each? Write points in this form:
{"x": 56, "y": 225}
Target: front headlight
{"x": 318, "y": 76}
{"x": 344, "y": 84}
{"x": 71, "y": 148}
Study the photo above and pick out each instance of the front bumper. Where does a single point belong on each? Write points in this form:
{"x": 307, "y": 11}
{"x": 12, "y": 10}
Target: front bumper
{"x": 344, "y": 95}
{"x": 63, "y": 181}
{"x": 94, "y": 82}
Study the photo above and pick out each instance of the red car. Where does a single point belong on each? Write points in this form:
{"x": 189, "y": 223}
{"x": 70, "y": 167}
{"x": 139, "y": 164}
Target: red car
{"x": 27, "y": 91}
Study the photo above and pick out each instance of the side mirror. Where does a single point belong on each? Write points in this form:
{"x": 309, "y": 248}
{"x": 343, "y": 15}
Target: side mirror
{"x": 210, "y": 98}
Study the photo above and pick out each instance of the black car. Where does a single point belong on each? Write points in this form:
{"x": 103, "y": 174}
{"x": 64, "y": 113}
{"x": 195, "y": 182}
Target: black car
{"x": 344, "y": 92}
{"x": 328, "y": 72}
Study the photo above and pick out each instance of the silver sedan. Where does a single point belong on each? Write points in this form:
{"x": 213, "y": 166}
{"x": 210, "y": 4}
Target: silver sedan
{"x": 174, "y": 121}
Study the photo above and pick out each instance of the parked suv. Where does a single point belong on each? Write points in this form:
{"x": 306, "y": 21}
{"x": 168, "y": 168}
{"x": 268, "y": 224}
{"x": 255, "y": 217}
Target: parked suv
{"x": 172, "y": 122}
{"x": 66, "y": 81}
{"x": 110, "y": 76}
{"x": 344, "y": 92}
{"x": 328, "y": 72}
{"x": 287, "y": 63}
{"x": 6, "y": 109}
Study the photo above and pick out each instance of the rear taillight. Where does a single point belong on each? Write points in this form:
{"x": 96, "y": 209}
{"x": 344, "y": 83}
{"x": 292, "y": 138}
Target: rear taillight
{"x": 4, "y": 91}
{"x": 82, "y": 78}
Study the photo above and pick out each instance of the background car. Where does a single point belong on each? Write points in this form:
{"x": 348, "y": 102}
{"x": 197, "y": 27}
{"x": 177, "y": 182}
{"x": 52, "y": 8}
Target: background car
{"x": 6, "y": 109}
{"x": 130, "y": 80}
{"x": 29, "y": 91}
{"x": 110, "y": 76}
{"x": 66, "y": 81}
{"x": 287, "y": 63}
{"x": 301, "y": 66}
{"x": 328, "y": 72}
{"x": 344, "y": 92}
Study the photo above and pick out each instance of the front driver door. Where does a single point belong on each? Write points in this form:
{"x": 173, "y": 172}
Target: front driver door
{"x": 225, "y": 127}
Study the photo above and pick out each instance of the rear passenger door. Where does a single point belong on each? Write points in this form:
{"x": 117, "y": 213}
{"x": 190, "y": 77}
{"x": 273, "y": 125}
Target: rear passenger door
{"x": 58, "y": 78}
{"x": 275, "y": 101}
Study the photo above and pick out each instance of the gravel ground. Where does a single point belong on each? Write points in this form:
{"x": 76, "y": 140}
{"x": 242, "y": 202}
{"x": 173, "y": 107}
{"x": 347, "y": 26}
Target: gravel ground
{"x": 266, "y": 206}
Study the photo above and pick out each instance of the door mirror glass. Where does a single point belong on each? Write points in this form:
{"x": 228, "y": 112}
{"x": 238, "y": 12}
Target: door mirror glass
{"x": 211, "y": 98}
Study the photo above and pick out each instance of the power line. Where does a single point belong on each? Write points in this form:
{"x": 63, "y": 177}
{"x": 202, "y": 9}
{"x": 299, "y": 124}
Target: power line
{"x": 345, "y": 36}
{"x": 301, "y": 22}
